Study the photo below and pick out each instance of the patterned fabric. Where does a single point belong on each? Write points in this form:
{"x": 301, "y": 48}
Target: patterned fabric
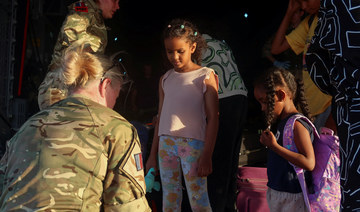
{"x": 326, "y": 174}
{"x": 279, "y": 201}
{"x": 76, "y": 155}
{"x": 79, "y": 24}
{"x": 88, "y": 25}
{"x": 219, "y": 57}
{"x": 179, "y": 156}
{"x": 52, "y": 89}
{"x": 299, "y": 40}
{"x": 334, "y": 60}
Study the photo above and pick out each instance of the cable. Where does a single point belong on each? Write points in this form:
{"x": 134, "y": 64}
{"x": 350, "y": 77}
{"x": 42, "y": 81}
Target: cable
{"x": 24, "y": 47}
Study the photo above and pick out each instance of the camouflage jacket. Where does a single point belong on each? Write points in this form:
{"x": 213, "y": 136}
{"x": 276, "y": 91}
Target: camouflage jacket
{"x": 84, "y": 21}
{"x": 77, "y": 155}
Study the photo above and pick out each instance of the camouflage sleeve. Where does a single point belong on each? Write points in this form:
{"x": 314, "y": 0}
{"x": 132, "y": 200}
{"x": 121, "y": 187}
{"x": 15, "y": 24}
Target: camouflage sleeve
{"x": 77, "y": 26}
{"x": 3, "y": 167}
{"x": 124, "y": 185}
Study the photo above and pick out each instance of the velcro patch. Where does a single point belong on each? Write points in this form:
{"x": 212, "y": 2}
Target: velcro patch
{"x": 81, "y": 7}
{"x": 138, "y": 161}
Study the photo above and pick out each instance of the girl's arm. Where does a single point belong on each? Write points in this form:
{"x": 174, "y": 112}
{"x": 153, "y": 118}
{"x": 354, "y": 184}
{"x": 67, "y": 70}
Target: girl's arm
{"x": 152, "y": 160}
{"x": 305, "y": 159}
{"x": 212, "y": 116}
{"x": 280, "y": 43}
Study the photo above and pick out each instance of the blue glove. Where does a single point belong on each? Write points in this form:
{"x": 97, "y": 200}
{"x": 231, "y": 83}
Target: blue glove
{"x": 283, "y": 65}
{"x": 150, "y": 181}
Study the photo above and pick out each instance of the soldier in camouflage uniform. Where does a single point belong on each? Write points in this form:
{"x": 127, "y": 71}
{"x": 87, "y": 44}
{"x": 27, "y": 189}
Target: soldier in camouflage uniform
{"x": 78, "y": 154}
{"x": 85, "y": 21}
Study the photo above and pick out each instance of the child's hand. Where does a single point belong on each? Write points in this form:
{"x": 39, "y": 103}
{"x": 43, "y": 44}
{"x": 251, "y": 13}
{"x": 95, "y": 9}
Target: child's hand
{"x": 268, "y": 139}
{"x": 204, "y": 165}
{"x": 151, "y": 163}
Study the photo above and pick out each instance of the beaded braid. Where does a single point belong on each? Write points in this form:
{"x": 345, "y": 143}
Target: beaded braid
{"x": 179, "y": 28}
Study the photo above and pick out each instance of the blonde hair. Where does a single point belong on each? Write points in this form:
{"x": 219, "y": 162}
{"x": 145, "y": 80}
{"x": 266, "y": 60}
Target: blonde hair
{"x": 80, "y": 67}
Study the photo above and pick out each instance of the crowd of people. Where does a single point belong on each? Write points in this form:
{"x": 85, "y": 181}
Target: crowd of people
{"x": 79, "y": 153}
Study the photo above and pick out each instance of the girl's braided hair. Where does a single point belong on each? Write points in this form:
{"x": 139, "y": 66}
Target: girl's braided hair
{"x": 274, "y": 77}
{"x": 179, "y": 28}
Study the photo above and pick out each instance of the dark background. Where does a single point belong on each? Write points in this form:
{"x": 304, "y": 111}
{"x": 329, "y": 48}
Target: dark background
{"x": 137, "y": 27}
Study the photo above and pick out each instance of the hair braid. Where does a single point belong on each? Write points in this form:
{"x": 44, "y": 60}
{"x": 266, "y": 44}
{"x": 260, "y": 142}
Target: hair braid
{"x": 270, "y": 97}
{"x": 274, "y": 77}
{"x": 300, "y": 99}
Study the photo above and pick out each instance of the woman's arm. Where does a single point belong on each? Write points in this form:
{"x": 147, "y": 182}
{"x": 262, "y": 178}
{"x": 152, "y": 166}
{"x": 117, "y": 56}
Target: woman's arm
{"x": 305, "y": 159}
{"x": 77, "y": 28}
{"x": 212, "y": 116}
{"x": 280, "y": 43}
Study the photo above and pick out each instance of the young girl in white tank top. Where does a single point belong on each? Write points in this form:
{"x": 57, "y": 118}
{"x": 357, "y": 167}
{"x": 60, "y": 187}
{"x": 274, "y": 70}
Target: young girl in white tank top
{"x": 187, "y": 124}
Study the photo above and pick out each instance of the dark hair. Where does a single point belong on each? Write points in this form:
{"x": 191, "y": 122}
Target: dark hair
{"x": 278, "y": 77}
{"x": 179, "y": 28}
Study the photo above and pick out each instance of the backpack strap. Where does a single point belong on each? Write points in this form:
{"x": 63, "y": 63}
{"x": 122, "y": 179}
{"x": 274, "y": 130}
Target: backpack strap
{"x": 288, "y": 143}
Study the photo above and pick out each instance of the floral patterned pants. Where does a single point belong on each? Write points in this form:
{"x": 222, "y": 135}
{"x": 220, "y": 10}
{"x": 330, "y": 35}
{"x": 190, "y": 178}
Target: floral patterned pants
{"x": 179, "y": 156}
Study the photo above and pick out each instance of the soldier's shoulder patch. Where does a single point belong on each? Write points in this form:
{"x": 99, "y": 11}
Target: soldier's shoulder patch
{"x": 81, "y": 7}
{"x": 138, "y": 161}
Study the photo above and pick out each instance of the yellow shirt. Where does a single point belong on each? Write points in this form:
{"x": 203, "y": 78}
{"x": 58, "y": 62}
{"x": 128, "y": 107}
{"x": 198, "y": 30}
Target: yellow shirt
{"x": 299, "y": 40}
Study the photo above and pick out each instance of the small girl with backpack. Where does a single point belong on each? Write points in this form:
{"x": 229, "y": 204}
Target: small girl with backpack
{"x": 278, "y": 93}
{"x": 292, "y": 160}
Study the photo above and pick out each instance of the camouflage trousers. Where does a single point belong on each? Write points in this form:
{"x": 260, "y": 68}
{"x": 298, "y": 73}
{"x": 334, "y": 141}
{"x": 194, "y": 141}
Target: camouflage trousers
{"x": 52, "y": 89}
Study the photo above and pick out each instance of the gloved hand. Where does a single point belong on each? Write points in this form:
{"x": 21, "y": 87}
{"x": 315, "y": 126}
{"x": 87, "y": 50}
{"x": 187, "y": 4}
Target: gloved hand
{"x": 282, "y": 64}
{"x": 150, "y": 181}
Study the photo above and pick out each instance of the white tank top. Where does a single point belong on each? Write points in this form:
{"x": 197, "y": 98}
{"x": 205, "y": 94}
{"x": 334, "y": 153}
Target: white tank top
{"x": 183, "y": 109}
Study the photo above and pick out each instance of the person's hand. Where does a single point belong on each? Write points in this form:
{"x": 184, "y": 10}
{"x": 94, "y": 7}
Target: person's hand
{"x": 204, "y": 165}
{"x": 282, "y": 64}
{"x": 293, "y": 6}
{"x": 268, "y": 139}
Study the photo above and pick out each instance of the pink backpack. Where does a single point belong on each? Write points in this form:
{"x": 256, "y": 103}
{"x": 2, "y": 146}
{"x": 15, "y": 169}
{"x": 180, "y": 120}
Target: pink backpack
{"x": 326, "y": 174}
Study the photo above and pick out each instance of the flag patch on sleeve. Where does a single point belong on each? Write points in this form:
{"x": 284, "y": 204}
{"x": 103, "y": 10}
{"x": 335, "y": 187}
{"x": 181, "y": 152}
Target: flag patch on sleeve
{"x": 81, "y": 7}
{"x": 138, "y": 161}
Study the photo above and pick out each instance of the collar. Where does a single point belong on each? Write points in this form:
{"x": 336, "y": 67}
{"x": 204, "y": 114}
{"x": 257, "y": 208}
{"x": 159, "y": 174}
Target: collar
{"x": 89, "y": 3}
